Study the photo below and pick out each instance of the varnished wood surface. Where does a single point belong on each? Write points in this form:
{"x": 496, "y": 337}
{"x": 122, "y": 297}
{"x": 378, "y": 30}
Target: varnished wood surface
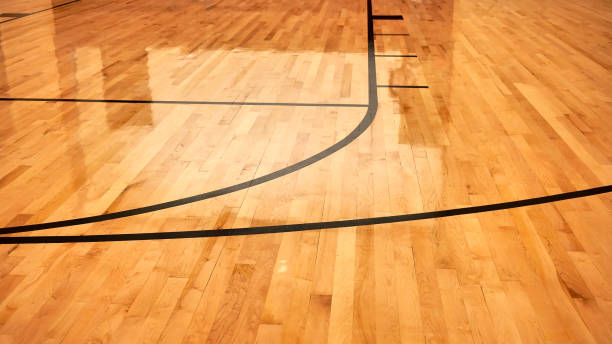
{"x": 518, "y": 106}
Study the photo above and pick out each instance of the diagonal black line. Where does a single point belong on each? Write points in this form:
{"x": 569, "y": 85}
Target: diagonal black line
{"x": 13, "y": 15}
{"x": 43, "y": 10}
{"x": 56, "y": 6}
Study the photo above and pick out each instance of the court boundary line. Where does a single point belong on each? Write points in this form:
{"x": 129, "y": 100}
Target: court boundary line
{"x": 363, "y": 125}
{"x": 391, "y": 55}
{"x": 174, "y": 102}
{"x": 402, "y": 86}
{"x": 391, "y": 34}
{"x": 208, "y": 233}
{"x": 12, "y": 15}
{"x": 387, "y": 17}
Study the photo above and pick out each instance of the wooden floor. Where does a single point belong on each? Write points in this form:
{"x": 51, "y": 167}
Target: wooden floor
{"x": 518, "y": 106}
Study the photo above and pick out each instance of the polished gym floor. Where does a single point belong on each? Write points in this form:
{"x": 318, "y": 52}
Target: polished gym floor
{"x": 312, "y": 171}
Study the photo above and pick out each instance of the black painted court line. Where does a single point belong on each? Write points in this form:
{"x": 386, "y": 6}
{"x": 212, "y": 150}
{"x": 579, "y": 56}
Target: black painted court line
{"x": 13, "y": 15}
{"x": 401, "y": 86}
{"x": 388, "y": 17}
{"x": 365, "y": 123}
{"x": 183, "y": 102}
{"x": 46, "y": 9}
{"x": 391, "y": 34}
{"x": 304, "y": 226}
{"x": 395, "y": 55}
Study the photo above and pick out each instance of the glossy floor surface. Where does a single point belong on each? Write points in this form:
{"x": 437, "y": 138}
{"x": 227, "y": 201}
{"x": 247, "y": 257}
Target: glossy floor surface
{"x": 518, "y": 106}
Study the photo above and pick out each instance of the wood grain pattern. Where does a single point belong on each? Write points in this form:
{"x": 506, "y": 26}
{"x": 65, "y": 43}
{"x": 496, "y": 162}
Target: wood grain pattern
{"x": 518, "y": 106}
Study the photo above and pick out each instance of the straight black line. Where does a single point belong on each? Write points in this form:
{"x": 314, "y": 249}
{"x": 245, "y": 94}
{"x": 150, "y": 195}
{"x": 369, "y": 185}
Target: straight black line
{"x": 396, "y": 55}
{"x": 391, "y": 34}
{"x": 401, "y": 86}
{"x": 187, "y": 102}
{"x": 46, "y": 9}
{"x": 13, "y": 15}
{"x": 388, "y": 17}
{"x": 56, "y": 6}
{"x": 6, "y": 21}
{"x": 365, "y": 123}
{"x": 304, "y": 226}
{"x": 369, "y": 117}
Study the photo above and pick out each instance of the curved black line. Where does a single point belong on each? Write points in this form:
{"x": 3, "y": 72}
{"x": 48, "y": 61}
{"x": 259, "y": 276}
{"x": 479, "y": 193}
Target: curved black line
{"x": 303, "y": 226}
{"x": 357, "y": 131}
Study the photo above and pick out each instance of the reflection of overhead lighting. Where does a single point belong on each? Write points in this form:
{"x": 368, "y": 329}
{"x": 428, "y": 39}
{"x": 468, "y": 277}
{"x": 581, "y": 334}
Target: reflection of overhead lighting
{"x": 282, "y": 265}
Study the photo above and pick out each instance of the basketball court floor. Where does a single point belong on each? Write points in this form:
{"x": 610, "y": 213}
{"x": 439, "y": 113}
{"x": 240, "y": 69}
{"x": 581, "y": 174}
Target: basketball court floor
{"x": 305, "y": 171}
